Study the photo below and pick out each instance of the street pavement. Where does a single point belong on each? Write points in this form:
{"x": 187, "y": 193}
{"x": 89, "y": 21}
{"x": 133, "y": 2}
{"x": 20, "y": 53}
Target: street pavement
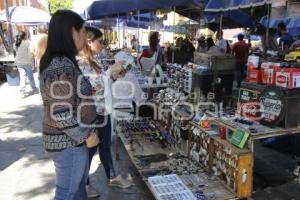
{"x": 27, "y": 172}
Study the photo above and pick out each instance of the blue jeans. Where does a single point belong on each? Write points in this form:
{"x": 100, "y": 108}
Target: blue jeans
{"x": 71, "y": 167}
{"x": 104, "y": 147}
{"x": 26, "y": 71}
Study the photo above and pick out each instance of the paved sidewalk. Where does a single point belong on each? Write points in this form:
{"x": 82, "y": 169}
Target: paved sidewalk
{"x": 26, "y": 173}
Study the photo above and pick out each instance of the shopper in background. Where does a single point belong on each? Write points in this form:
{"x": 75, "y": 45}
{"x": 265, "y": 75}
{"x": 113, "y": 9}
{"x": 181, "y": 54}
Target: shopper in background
{"x": 25, "y": 63}
{"x": 211, "y": 47}
{"x": 133, "y": 43}
{"x": 69, "y": 111}
{"x": 220, "y": 42}
{"x": 154, "y": 52}
{"x": 285, "y": 40}
{"x": 202, "y": 47}
{"x": 39, "y": 44}
{"x": 240, "y": 50}
{"x": 187, "y": 51}
{"x": 3, "y": 51}
{"x": 101, "y": 82}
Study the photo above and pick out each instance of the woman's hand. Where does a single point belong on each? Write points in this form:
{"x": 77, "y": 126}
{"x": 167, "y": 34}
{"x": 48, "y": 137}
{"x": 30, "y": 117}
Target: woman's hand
{"x": 33, "y": 69}
{"x": 117, "y": 70}
{"x": 92, "y": 140}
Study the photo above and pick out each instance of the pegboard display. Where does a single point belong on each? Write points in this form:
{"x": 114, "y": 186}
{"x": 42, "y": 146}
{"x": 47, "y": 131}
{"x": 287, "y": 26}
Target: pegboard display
{"x": 233, "y": 166}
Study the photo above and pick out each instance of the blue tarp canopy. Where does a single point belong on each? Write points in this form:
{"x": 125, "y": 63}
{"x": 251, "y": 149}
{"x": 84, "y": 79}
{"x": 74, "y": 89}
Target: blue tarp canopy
{"x": 273, "y": 22}
{"x": 144, "y": 17}
{"x": 293, "y": 24}
{"x": 236, "y": 16}
{"x": 225, "y": 5}
{"x": 102, "y": 8}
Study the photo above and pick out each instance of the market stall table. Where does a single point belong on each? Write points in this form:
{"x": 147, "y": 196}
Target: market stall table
{"x": 146, "y": 148}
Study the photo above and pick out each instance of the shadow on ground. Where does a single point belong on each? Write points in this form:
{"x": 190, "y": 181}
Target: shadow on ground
{"x": 124, "y": 167}
{"x": 28, "y": 118}
{"x": 21, "y": 135}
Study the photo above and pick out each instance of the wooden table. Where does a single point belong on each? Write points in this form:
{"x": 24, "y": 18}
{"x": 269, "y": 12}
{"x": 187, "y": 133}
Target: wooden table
{"x": 274, "y": 132}
{"x": 148, "y": 148}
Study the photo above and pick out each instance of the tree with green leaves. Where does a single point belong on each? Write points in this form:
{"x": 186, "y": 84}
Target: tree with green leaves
{"x": 55, "y": 5}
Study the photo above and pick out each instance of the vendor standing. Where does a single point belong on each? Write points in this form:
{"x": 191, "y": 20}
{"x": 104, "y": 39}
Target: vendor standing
{"x": 221, "y": 42}
{"x": 154, "y": 52}
{"x": 241, "y": 51}
{"x": 285, "y": 40}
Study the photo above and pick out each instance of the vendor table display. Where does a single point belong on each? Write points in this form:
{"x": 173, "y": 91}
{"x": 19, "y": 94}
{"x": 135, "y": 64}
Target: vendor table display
{"x": 154, "y": 161}
{"x": 231, "y": 164}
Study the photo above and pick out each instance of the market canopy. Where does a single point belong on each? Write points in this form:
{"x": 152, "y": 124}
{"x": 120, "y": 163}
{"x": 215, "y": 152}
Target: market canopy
{"x": 272, "y": 23}
{"x": 225, "y": 5}
{"x": 236, "y": 18}
{"x": 25, "y": 15}
{"x": 293, "y": 24}
{"x": 101, "y": 8}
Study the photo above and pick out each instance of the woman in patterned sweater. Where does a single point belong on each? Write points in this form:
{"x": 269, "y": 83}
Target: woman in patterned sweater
{"x": 69, "y": 110}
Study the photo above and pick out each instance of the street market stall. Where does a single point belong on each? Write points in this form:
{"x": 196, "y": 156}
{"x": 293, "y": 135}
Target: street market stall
{"x": 199, "y": 145}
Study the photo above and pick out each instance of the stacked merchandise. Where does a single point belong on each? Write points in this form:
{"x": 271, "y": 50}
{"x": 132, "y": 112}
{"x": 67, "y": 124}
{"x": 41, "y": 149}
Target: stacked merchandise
{"x": 286, "y": 75}
{"x": 179, "y": 77}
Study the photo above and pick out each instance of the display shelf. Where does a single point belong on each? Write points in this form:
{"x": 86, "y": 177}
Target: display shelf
{"x": 232, "y": 165}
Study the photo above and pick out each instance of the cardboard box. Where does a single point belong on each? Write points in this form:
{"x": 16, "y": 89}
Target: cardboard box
{"x": 269, "y": 70}
{"x": 254, "y": 75}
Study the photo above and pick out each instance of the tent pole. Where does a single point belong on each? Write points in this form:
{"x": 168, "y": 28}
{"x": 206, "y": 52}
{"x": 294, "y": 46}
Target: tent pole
{"x": 119, "y": 32}
{"x": 173, "y": 52}
{"x": 9, "y": 27}
{"x": 221, "y": 22}
{"x": 268, "y": 29}
{"x": 138, "y": 43}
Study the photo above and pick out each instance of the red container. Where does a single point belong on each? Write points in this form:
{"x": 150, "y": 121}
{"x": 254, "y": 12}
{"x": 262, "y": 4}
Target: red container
{"x": 254, "y": 74}
{"x": 222, "y": 132}
{"x": 288, "y": 78}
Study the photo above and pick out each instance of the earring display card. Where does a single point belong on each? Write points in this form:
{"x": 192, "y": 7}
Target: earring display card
{"x": 170, "y": 187}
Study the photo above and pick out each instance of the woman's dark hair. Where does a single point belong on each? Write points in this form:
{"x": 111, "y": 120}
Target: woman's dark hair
{"x": 19, "y": 38}
{"x": 60, "y": 39}
{"x": 153, "y": 40}
{"x": 210, "y": 42}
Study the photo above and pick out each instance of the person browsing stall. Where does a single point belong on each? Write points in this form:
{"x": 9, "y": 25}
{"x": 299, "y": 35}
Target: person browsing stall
{"x": 285, "y": 40}
{"x": 69, "y": 109}
{"x": 101, "y": 82}
{"x": 211, "y": 47}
